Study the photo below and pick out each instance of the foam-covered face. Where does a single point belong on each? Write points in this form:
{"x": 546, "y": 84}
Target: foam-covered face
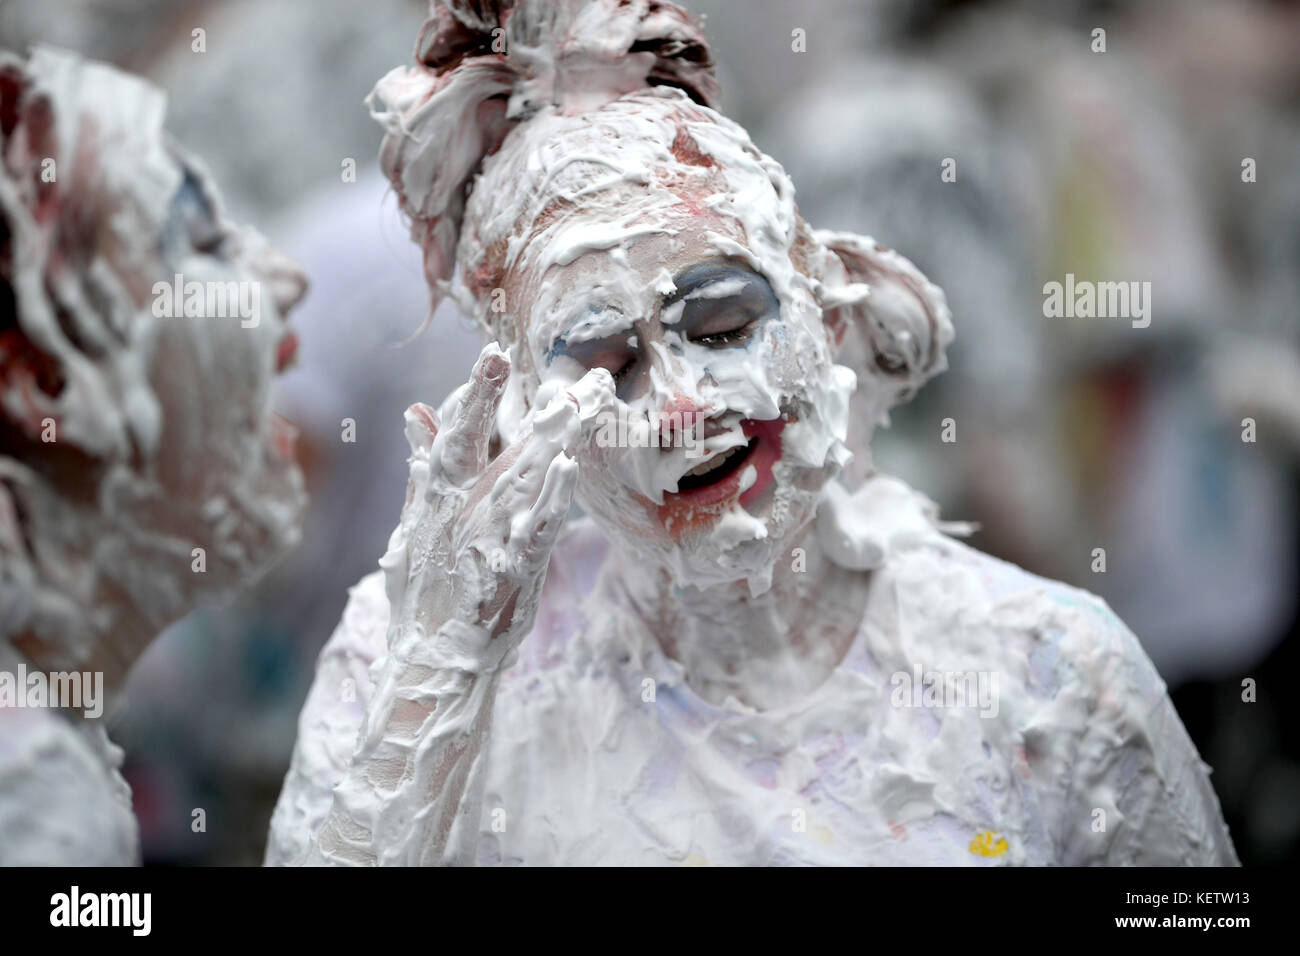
{"x": 730, "y": 412}
{"x": 213, "y": 375}
{"x": 580, "y": 201}
{"x": 142, "y": 448}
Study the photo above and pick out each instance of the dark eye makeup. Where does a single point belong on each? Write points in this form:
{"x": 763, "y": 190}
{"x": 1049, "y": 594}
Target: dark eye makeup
{"x": 736, "y": 336}
{"x": 615, "y": 354}
{"x": 192, "y": 217}
{"x": 720, "y": 305}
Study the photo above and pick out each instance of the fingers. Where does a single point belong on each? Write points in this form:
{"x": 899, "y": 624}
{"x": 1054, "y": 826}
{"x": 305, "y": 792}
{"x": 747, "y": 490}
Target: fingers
{"x": 589, "y": 399}
{"x": 533, "y": 533}
{"x": 421, "y": 429}
{"x": 591, "y": 395}
{"x": 461, "y": 449}
{"x": 556, "y": 424}
{"x": 533, "y": 492}
{"x": 594, "y": 397}
{"x": 554, "y": 429}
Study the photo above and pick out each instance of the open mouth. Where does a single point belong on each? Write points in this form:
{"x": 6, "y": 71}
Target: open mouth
{"x": 741, "y": 474}
{"x": 716, "y": 469}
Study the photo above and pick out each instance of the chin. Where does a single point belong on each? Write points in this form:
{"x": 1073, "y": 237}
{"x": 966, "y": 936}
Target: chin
{"x": 262, "y": 505}
{"x": 737, "y": 539}
{"x": 272, "y": 500}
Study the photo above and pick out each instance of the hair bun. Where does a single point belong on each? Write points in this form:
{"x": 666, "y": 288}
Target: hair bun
{"x": 457, "y": 30}
{"x": 578, "y": 37}
{"x": 484, "y": 66}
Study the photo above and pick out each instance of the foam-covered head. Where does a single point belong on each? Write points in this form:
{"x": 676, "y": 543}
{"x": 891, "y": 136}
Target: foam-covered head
{"x": 135, "y": 425}
{"x": 620, "y": 221}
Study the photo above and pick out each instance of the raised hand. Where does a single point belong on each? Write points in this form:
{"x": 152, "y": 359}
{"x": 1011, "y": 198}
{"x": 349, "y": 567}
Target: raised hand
{"x": 464, "y": 571}
{"x": 475, "y": 535}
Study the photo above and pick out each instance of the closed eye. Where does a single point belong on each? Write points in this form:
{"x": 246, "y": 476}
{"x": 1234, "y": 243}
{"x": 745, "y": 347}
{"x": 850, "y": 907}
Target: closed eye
{"x": 728, "y": 337}
{"x": 618, "y": 363}
{"x": 194, "y": 218}
{"x": 618, "y": 354}
{"x": 720, "y": 305}
{"x": 623, "y": 370}
{"x": 208, "y": 242}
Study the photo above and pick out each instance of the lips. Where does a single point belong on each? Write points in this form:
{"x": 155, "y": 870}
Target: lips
{"x": 715, "y": 469}
{"x": 702, "y": 497}
{"x": 281, "y": 437}
{"x": 286, "y": 351}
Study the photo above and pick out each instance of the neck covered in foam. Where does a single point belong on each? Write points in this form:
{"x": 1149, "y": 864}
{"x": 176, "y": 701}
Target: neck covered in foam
{"x": 763, "y": 651}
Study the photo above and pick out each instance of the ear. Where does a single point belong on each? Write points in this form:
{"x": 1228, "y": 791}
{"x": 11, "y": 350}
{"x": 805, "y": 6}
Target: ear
{"x": 53, "y": 385}
{"x": 28, "y": 138}
{"x": 31, "y": 377}
{"x": 889, "y": 322}
{"x": 11, "y": 89}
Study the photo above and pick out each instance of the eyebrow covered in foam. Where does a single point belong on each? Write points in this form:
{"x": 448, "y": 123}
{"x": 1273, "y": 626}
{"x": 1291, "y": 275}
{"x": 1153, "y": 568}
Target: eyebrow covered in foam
{"x": 718, "y": 289}
{"x": 717, "y": 280}
{"x": 193, "y": 214}
{"x": 595, "y": 323}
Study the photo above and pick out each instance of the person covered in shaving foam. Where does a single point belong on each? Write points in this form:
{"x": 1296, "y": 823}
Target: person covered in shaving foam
{"x": 753, "y": 649}
{"x": 141, "y": 470}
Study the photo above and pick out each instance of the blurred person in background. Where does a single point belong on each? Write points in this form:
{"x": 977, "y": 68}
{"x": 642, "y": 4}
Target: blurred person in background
{"x": 141, "y": 470}
{"x": 274, "y": 102}
{"x": 1072, "y": 435}
{"x": 356, "y": 373}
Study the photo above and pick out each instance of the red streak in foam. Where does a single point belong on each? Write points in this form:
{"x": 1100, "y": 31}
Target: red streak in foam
{"x": 283, "y": 437}
{"x": 286, "y": 351}
{"x": 767, "y": 452}
{"x": 685, "y": 512}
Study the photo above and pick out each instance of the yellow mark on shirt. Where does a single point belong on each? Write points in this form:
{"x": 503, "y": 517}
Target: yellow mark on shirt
{"x": 988, "y": 843}
{"x": 821, "y": 834}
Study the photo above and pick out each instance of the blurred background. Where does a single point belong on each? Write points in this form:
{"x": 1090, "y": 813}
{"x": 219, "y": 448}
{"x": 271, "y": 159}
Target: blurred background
{"x": 1071, "y": 434}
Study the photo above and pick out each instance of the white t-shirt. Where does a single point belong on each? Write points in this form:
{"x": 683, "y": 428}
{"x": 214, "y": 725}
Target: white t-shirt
{"x": 981, "y": 716}
{"x": 63, "y": 800}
